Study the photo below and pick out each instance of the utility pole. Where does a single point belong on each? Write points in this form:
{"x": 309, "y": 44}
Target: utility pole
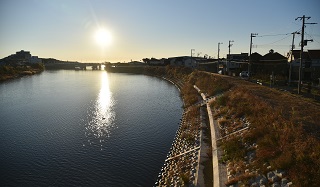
{"x": 229, "y": 46}
{"x": 192, "y": 52}
{"x": 218, "y": 56}
{"x": 191, "y": 55}
{"x": 249, "y": 63}
{"x": 301, "y": 51}
{"x": 292, "y": 47}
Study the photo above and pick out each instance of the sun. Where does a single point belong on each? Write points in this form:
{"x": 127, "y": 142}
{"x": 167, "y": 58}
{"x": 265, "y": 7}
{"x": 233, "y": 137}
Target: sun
{"x": 103, "y": 37}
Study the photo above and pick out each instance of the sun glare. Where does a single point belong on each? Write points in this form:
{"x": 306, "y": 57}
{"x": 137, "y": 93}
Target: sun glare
{"x": 103, "y": 37}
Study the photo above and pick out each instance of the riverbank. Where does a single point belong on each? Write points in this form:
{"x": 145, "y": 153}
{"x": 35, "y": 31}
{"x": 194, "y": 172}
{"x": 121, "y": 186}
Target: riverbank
{"x": 8, "y": 72}
{"x": 125, "y": 69}
{"x": 182, "y": 164}
{"x": 268, "y": 137}
{"x": 189, "y": 160}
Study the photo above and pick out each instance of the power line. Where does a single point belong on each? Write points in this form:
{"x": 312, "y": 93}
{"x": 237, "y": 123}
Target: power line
{"x": 275, "y": 41}
{"x": 273, "y": 35}
{"x": 316, "y": 35}
{"x": 273, "y": 46}
{"x": 312, "y": 37}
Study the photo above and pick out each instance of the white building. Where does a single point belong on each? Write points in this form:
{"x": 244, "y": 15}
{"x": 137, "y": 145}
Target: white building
{"x": 35, "y": 59}
{"x": 186, "y": 61}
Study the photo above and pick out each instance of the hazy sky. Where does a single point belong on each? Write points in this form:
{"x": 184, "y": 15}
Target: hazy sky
{"x": 65, "y": 29}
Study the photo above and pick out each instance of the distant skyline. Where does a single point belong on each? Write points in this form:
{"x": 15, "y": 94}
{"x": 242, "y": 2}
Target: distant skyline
{"x": 67, "y": 29}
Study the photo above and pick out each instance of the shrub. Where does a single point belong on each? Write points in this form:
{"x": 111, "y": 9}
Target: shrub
{"x": 234, "y": 148}
{"x": 221, "y": 100}
{"x": 185, "y": 178}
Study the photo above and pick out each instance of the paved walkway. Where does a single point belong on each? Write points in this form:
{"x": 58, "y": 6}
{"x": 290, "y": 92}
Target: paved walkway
{"x": 204, "y": 148}
{"x": 219, "y": 170}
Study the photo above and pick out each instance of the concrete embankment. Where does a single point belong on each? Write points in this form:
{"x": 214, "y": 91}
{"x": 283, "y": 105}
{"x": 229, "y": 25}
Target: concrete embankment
{"x": 184, "y": 154}
{"x": 182, "y": 164}
{"x": 179, "y": 86}
{"x": 126, "y": 69}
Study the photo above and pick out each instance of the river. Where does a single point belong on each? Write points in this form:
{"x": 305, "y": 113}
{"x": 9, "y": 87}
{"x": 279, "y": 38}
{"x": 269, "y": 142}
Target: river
{"x": 86, "y": 128}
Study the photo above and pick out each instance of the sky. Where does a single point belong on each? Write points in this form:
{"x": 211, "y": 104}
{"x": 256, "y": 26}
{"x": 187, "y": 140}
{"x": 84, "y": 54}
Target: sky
{"x": 66, "y": 29}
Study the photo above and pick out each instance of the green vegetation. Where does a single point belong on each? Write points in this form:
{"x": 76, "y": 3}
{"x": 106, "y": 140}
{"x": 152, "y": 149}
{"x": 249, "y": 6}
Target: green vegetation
{"x": 284, "y": 127}
{"x": 234, "y": 149}
{"x": 10, "y": 72}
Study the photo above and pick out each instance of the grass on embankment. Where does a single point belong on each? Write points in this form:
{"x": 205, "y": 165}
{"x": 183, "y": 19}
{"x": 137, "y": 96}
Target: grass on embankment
{"x": 284, "y": 126}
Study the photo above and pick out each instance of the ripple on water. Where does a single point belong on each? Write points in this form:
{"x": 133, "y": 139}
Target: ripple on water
{"x": 116, "y": 131}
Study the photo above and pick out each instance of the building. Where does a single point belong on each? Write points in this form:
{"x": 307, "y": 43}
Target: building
{"x": 210, "y": 65}
{"x": 50, "y": 61}
{"x": 136, "y": 63}
{"x": 310, "y": 64}
{"x": 270, "y": 63}
{"x": 35, "y": 59}
{"x": 237, "y": 57}
{"x": 21, "y": 58}
{"x": 156, "y": 62}
{"x": 186, "y": 61}
{"x": 234, "y": 63}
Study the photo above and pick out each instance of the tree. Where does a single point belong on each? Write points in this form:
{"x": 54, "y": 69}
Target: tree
{"x": 146, "y": 60}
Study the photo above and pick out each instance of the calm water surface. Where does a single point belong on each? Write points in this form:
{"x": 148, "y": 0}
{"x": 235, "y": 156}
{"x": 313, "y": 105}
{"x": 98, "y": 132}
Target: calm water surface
{"x": 85, "y": 128}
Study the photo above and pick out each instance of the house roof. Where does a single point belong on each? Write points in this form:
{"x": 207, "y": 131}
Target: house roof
{"x": 314, "y": 54}
{"x": 135, "y": 62}
{"x": 296, "y": 54}
{"x": 310, "y": 54}
{"x": 274, "y": 57}
{"x": 255, "y": 56}
{"x": 180, "y": 57}
{"x": 271, "y": 57}
{"x": 238, "y": 57}
{"x": 198, "y": 59}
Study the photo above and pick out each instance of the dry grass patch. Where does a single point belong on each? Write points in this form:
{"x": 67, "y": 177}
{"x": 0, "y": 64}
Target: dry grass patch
{"x": 285, "y": 127}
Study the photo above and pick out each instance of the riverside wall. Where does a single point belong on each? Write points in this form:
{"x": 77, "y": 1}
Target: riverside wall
{"x": 182, "y": 154}
{"x": 126, "y": 69}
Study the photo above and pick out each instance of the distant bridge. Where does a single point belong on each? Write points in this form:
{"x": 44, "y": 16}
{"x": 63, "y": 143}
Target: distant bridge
{"x": 73, "y": 66}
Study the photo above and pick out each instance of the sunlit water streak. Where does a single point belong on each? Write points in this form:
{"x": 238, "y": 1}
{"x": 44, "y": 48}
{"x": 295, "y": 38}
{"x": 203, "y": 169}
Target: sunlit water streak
{"x": 100, "y": 119}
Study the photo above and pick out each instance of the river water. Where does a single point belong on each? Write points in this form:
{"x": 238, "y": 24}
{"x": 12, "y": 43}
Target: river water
{"x": 85, "y": 128}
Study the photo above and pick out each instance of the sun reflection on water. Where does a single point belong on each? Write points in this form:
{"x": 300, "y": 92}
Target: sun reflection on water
{"x": 100, "y": 115}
